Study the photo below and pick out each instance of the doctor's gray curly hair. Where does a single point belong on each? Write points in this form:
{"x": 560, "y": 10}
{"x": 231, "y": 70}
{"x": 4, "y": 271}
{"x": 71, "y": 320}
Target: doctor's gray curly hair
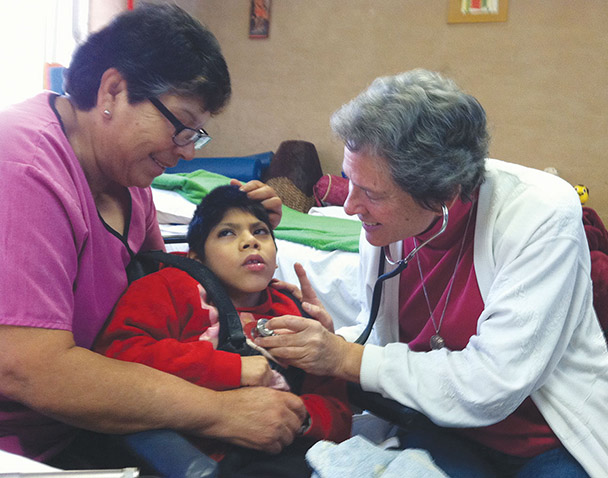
{"x": 432, "y": 135}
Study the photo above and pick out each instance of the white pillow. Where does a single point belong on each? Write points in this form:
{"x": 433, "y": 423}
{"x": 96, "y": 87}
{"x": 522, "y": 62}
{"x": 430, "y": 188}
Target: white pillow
{"x": 171, "y": 207}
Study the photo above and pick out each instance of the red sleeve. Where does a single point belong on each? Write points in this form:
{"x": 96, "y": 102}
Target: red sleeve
{"x": 158, "y": 321}
{"x": 326, "y": 400}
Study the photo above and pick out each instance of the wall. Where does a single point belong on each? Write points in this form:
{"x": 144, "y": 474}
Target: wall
{"x": 102, "y": 11}
{"x": 542, "y": 75}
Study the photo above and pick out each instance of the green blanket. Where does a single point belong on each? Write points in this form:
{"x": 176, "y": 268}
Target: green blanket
{"x": 320, "y": 232}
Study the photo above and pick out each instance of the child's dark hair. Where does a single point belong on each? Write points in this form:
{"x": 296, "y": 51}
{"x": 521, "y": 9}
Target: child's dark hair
{"x": 212, "y": 209}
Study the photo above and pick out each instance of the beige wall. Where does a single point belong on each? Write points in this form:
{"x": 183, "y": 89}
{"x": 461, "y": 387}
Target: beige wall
{"x": 102, "y": 11}
{"x": 542, "y": 76}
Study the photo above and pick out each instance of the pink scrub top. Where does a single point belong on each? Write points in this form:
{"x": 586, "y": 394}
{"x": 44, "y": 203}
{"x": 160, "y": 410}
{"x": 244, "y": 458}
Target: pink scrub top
{"x": 62, "y": 267}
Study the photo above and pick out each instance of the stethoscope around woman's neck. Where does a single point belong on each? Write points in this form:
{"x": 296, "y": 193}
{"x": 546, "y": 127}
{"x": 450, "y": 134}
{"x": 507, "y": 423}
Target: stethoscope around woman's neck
{"x": 400, "y": 266}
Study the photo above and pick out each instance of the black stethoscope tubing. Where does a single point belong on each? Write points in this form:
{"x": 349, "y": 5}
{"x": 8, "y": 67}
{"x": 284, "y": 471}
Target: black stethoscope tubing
{"x": 401, "y": 265}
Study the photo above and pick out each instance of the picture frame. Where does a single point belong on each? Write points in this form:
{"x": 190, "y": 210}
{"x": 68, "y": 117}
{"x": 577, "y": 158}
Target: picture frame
{"x": 259, "y": 19}
{"x": 477, "y": 11}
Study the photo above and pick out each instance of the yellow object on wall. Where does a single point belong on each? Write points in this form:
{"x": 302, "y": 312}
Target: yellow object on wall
{"x": 583, "y": 193}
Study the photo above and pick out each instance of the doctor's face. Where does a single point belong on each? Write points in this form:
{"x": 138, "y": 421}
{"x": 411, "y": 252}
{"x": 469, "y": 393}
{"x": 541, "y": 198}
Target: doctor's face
{"x": 388, "y": 214}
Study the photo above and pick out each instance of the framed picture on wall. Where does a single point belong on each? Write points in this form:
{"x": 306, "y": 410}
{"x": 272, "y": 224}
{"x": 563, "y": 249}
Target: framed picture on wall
{"x": 259, "y": 19}
{"x": 474, "y": 11}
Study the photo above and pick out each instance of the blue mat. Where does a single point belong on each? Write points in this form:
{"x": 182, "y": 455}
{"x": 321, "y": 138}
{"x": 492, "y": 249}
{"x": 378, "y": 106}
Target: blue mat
{"x": 243, "y": 168}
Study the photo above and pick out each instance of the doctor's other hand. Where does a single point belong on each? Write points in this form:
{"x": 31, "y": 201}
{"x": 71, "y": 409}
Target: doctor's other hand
{"x": 259, "y": 191}
{"x": 310, "y": 302}
{"x": 307, "y": 295}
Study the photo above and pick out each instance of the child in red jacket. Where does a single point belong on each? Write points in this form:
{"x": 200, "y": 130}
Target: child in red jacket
{"x": 164, "y": 320}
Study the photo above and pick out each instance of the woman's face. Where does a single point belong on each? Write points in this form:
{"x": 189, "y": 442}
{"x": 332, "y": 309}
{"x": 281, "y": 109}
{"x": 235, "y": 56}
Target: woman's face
{"x": 388, "y": 214}
{"x": 140, "y": 146}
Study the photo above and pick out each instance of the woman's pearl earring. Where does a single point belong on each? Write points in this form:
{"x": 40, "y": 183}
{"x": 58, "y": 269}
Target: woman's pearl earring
{"x": 108, "y": 113}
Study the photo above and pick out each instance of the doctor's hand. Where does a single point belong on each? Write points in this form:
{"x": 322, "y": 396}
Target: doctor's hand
{"x": 307, "y": 344}
{"x": 310, "y": 302}
{"x": 259, "y": 191}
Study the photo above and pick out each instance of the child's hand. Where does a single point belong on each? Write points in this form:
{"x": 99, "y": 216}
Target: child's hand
{"x": 255, "y": 371}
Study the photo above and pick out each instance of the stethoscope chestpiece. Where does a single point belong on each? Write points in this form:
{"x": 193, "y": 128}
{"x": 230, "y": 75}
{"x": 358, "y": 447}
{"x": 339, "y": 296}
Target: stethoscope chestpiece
{"x": 262, "y": 330}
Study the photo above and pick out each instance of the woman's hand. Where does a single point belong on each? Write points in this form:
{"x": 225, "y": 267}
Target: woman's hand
{"x": 307, "y": 344}
{"x": 258, "y": 417}
{"x": 255, "y": 371}
{"x": 269, "y": 198}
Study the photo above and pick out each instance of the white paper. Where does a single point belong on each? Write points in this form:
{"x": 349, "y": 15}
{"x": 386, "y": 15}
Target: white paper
{"x": 11, "y": 463}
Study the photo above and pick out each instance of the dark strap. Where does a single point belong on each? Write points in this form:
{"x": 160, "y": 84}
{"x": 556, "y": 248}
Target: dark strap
{"x": 385, "y": 408}
{"x": 231, "y": 337}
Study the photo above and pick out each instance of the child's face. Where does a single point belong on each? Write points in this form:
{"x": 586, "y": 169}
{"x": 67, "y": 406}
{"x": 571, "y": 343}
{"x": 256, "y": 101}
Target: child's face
{"x": 241, "y": 252}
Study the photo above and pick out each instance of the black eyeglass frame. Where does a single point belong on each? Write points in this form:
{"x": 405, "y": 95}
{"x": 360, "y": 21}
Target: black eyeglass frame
{"x": 199, "y": 137}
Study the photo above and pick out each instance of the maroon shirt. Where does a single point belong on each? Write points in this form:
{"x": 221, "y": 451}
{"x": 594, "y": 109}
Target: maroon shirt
{"x": 523, "y": 433}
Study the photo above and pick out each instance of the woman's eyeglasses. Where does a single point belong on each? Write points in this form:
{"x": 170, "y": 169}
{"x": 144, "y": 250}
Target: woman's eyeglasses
{"x": 183, "y": 135}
